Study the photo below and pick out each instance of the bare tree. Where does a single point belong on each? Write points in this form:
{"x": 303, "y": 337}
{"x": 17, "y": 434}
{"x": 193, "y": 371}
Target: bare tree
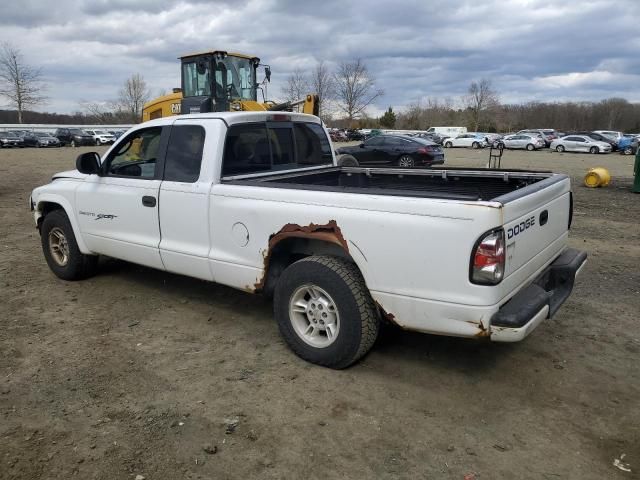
{"x": 297, "y": 86}
{"x": 355, "y": 88}
{"x": 323, "y": 85}
{"x": 133, "y": 95}
{"x": 479, "y": 100}
{"x": 20, "y": 83}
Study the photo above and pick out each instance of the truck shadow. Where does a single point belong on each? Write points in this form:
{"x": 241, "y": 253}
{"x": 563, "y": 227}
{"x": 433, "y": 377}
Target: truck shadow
{"x": 393, "y": 347}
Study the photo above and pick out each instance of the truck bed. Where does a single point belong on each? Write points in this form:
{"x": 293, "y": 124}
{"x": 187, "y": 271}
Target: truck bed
{"x": 450, "y": 183}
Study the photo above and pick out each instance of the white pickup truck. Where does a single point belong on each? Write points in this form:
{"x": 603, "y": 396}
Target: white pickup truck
{"x": 255, "y": 201}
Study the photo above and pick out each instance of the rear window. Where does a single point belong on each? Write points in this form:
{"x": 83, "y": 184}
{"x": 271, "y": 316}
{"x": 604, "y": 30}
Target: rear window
{"x": 184, "y": 153}
{"x": 264, "y": 147}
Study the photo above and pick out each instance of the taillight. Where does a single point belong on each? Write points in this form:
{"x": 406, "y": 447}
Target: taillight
{"x": 487, "y": 259}
{"x": 423, "y": 151}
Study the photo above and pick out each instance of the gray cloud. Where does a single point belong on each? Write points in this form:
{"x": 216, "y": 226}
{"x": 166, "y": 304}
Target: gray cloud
{"x": 530, "y": 49}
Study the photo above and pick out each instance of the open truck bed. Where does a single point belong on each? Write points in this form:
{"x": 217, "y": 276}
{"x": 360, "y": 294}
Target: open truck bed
{"x": 450, "y": 183}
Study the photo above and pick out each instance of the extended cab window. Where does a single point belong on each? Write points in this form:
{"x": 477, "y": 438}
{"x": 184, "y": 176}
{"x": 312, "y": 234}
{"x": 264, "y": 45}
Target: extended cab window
{"x": 184, "y": 153}
{"x": 263, "y": 147}
{"x": 136, "y": 155}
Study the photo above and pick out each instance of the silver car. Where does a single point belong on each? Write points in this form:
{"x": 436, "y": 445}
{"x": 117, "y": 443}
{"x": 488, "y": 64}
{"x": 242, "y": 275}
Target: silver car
{"x": 580, "y": 143}
{"x": 528, "y": 142}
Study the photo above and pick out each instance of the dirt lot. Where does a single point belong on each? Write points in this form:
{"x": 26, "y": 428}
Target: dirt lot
{"x": 139, "y": 372}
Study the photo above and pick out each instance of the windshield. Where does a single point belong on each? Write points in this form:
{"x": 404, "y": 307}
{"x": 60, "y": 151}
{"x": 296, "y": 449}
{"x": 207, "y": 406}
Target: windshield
{"x": 235, "y": 75}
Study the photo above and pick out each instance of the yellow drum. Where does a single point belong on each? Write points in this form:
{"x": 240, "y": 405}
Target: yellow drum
{"x": 597, "y": 177}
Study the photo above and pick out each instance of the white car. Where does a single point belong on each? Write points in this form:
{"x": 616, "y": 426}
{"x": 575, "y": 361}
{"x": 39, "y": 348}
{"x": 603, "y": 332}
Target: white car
{"x": 217, "y": 197}
{"x": 101, "y": 137}
{"x": 580, "y": 143}
{"x": 472, "y": 140}
{"x": 613, "y": 135}
{"x": 528, "y": 142}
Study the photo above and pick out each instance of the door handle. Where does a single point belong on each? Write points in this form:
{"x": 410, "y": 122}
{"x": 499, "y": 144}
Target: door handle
{"x": 149, "y": 201}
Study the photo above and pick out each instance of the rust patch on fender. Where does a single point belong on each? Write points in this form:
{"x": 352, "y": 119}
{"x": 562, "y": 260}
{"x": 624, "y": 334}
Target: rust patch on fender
{"x": 484, "y": 331}
{"x": 389, "y": 317}
{"x": 328, "y": 232}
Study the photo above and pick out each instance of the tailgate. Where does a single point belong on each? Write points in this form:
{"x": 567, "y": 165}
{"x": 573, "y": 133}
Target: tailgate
{"x": 534, "y": 217}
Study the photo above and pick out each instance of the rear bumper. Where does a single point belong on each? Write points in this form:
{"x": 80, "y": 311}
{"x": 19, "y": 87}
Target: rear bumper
{"x": 540, "y": 300}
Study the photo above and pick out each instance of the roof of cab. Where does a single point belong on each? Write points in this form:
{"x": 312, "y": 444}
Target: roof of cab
{"x": 231, "y": 118}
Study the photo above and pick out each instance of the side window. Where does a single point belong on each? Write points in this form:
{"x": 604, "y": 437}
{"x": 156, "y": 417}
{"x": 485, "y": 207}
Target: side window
{"x": 136, "y": 155}
{"x": 184, "y": 153}
{"x": 374, "y": 142}
{"x": 246, "y": 150}
{"x": 312, "y": 144}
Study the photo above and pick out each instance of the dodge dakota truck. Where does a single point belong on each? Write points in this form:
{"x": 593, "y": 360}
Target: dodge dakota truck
{"x": 256, "y": 201}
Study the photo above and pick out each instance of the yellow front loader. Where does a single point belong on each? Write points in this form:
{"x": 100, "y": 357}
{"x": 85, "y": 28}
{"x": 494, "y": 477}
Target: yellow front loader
{"x": 218, "y": 81}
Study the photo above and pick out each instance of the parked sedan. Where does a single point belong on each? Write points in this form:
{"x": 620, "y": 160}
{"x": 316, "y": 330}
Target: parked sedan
{"x": 580, "y": 143}
{"x": 472, "y": 140}
{"x": 10, "y": 139}
{"x": 392, "y": 150}
{"x": 528, "y": 142}
{"x": 39, "y": 139}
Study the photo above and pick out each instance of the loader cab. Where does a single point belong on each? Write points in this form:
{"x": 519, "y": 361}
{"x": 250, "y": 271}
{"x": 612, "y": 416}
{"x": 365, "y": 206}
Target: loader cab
{"x": 216, "y": 81}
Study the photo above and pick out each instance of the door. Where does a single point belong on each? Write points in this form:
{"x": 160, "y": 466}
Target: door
{"x": 368, "y": 152}
{"x": 184, "y": 199}
{"x": 118, "y": 210}
{"x": 392, "y": 149}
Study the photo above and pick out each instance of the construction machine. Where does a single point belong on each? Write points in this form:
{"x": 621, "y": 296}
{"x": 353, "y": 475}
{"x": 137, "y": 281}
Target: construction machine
{"x": 220, "y": 81}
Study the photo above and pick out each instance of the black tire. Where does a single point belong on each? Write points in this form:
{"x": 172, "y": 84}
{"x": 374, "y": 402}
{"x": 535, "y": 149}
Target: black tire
{"x": 594, "y": 150}
{"x": 475, "y": 145}
{"x": 77, "y": 265}
{"x": 560, "y": 148}
{"x": 406, "y": 161}
{"x": 448, "y": 144}
{"x": 347, "y": 161}
{"x": 72, "y": 143}
{"x": 628, "y": 151}
{"x": 358, "y": 318}
{"x": 530, "y": 147}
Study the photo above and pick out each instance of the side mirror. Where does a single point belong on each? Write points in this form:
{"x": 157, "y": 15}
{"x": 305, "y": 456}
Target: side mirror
{"x": 88, "y": 163}
{"x": 267, "y": 73}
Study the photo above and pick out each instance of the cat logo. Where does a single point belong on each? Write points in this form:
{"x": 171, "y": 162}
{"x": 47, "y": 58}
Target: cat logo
{"x": 175, "y": 108}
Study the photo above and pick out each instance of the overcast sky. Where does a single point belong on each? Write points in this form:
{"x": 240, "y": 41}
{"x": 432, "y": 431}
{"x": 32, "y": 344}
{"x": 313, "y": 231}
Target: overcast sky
{"x": 530, "y": 49}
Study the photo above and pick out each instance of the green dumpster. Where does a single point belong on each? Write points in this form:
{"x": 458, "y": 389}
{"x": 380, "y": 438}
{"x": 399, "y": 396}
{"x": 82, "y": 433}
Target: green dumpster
{"x": 636, "y": 173}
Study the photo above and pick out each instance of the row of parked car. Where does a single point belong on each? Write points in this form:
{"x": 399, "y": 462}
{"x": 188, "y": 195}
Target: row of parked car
{"x": 73, "y": 137}
{"x": 599, "y": 141}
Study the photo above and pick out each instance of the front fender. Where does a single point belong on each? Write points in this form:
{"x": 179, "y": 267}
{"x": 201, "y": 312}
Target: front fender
{"x": 45, "y": 198}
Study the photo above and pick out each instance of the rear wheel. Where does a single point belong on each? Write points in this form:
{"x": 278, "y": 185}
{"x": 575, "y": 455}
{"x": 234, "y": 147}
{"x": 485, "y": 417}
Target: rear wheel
{"x": 73, "y": 143}
{"x": 560, "y": 148}
{"x": 98, "y": 142}
{"x": 594, "y": 150}
{"x": 448, "y": 145}
{"x": 324, "y": 311}
{"x": 530, "y": 147}
{"x": 406, "y": 161}
{"x": 347, "y": 161}
{"x": 61, "y": 249}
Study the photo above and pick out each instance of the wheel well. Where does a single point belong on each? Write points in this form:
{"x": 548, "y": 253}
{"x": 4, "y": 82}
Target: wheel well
{"x": 290, "y": 250}
{"x": 46, "y": 208}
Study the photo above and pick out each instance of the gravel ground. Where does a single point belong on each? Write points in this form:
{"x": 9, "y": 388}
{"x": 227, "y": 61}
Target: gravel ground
{"x": 136, "y": 372}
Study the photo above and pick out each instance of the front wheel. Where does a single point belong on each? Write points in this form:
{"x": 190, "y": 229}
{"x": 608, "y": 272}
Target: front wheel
{"x": 324, "y": 311}
{"x": 628, "y": 151}
{"x": 560, "y": 149}
{"x": 73, "y": 143}
{"x": 475, "y": 145}
{"x": 530, "y": 147}
{"x": 406, "y": 161}
{"x": 448, "y": 145}
{"x": 594, "y": 150}
{"x": 61, "y": 249}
